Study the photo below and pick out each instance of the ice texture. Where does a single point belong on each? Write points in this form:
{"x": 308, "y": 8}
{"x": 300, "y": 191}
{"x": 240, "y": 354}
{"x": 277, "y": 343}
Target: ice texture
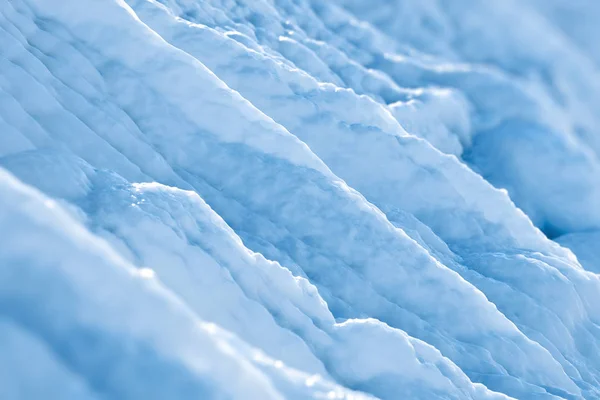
{"x": 299, "y": 199}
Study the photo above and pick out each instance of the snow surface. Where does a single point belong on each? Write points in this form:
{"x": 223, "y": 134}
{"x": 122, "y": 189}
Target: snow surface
{"x": 299, "y": 199}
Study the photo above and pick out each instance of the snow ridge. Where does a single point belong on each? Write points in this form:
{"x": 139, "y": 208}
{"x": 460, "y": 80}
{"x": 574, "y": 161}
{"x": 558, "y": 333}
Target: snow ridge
{"x": 298, "y": 199}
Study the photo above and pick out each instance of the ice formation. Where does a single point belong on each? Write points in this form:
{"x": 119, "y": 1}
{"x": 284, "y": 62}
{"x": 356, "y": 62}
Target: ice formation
{"x": 298, "y": 199}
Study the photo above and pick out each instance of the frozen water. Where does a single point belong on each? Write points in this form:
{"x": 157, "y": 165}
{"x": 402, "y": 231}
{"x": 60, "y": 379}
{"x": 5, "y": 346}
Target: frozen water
{"x": 299, "y": 199}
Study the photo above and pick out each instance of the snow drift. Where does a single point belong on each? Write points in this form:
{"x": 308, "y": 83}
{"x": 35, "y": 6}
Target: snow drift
{"x": 298, "y": 199}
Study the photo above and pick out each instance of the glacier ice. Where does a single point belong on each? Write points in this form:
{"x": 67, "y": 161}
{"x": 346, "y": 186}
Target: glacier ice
{"x": 299, "y": 199}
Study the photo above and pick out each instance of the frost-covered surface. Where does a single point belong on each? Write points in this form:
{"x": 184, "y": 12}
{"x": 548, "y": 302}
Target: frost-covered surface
{"x": 299, "y": 199}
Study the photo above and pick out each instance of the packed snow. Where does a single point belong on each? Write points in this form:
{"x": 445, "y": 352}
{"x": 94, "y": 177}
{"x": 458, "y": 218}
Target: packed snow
{"x": 299, "y": 199}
